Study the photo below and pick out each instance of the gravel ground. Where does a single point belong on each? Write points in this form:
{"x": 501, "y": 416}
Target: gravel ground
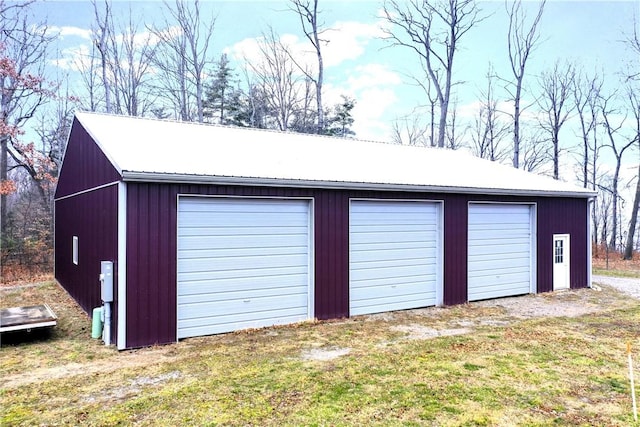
{"x": 570, "y": 303}
{"x": 626, "y": 285}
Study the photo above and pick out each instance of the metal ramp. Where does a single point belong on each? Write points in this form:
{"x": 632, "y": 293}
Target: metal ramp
{"x": 27, "y": 318}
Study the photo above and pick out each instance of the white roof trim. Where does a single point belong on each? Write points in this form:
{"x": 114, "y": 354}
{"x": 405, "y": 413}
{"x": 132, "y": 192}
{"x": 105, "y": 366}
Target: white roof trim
{"x": 274, "y": 182}
{"x": 169, "y": 151}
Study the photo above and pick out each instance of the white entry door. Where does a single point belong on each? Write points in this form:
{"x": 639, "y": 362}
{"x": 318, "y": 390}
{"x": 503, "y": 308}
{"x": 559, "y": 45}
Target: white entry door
{"x": 561, "y": 261}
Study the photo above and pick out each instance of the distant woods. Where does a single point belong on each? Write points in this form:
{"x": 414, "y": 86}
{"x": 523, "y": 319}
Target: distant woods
{"x": 170, "y": 69}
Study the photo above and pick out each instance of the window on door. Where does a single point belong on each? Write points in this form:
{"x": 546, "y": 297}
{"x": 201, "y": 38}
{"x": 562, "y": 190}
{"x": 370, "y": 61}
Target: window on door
{"x": 559, "y": 251}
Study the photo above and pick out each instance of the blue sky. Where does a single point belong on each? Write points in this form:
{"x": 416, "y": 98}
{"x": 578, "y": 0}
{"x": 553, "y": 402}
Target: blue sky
{"x": 361, "y": 65}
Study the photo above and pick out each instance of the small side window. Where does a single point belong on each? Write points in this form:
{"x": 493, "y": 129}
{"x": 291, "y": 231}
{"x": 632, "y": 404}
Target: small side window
{"x": 75, "y": 250}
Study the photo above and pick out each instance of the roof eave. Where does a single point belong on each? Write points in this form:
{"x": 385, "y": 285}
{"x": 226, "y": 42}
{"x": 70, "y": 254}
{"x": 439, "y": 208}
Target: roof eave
{"x": 339, "y": 185}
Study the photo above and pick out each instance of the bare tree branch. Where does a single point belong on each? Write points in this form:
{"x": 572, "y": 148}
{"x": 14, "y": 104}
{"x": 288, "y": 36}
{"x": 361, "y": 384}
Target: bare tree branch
{"x": 433, "y": 30}
{"x": 555, "y": 103}
{"x": 307, "y": 11}
{"x": 522, "y": 40}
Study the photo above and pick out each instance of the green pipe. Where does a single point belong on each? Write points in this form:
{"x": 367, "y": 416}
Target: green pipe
{"x": 96, "y": 325}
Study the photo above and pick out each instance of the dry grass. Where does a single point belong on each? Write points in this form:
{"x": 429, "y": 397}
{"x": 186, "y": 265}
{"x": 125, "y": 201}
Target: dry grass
{"x": 615, "y": 265}
{"x": 505, "y": 371}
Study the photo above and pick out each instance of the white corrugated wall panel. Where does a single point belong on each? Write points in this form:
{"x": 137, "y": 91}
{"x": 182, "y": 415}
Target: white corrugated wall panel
{"x": 393, "y": 255}
{"x": 499, "y": 250}
{"x": 242, "y": 263}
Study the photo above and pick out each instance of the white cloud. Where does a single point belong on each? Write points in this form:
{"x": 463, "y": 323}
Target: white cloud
{"x": 344, "y": 41}
{"x": 347, "y": 41}
{"x": 83, "y": 33}
{"x": 73, "y": 59}
{"x": 373, "y": 86}
{"x": 372, "y": 75}
{"x": 369, "y": 114}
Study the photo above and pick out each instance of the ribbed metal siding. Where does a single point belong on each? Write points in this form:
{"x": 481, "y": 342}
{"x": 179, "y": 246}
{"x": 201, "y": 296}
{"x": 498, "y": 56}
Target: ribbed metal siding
{"x": 93, "y": 217}
{"x": 331, "y": 246}
{"x": 562, "y": 216}
{"x": 151, "y": 264}
{"x": 151, "y": 247}
{"x": 85, "y": 165}
{"x": 151, "y": 254}
{"x": 455, "y": 249}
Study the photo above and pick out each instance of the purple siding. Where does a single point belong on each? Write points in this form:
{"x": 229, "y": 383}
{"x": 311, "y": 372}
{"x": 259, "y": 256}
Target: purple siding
{"x": 151, "y": 264}
{"x": 331, "y": 227}
{"x": 455, "y": 249}
{"x": 93, "y": 218}
{"x": 562, "y": 216}
{"x": 151, "y": 247}
{"x": 151, "y": 254}
{"x": 85, "y": 165}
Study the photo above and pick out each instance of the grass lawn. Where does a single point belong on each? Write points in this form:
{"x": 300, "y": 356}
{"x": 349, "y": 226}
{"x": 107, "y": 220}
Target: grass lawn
{"x": 371, "y": 370}
{"x": 615, "y": 266}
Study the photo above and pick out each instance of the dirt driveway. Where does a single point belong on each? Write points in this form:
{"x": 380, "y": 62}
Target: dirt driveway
{"x": 628, "y": 286}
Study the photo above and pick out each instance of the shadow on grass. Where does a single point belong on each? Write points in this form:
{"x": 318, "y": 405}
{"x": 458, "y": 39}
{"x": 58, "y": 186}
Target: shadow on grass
{"x": 16, "y": 338}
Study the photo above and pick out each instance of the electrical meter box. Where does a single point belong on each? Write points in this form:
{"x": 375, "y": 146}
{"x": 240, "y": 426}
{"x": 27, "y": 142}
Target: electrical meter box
{"x": 106, "y": 281}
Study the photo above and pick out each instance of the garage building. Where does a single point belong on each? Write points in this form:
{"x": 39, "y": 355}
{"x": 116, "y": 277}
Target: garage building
{"x": 213, "y": 229}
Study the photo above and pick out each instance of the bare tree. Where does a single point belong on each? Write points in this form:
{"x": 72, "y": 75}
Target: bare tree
{"x": 125, "y": 55}
{"x": 522, "y": 39}
{"x": 408, "y": 130}
{"x": 307, "y": 11}
{"x": 53, "y": 127}
{"x": 254, "y": 104}
{"x": 633, "y": 42}
{"x": 585, "y": 97}
{"x": 633, "y": 97}
{"x": 276, "y": 75}
{"x": 183, "y": 55}
{"x": 104, "y": 33}
{"x": 619, "y": 143}
{"x": 628, "y": 248}
{"x": 133, "y": 70}
{"x": 433, "y": 31}
{"x": 454, "y": 139}
{"x": 535, "y": 154}
{"x": 431, "y": 106}
{"x": 88, "y": 66}
{"x": 488, "y": 131}
{"x": 556, "y": 105}
{"x": 603, "y": 213}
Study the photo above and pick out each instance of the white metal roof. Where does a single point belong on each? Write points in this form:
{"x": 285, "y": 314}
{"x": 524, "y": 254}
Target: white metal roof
{"x": 156, "y": 150}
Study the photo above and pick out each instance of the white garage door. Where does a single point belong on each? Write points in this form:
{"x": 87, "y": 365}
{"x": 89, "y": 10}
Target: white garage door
{"x": 500, "y": 250}
{"x": 242, "y": 263}
{"x": 393, "y": 255}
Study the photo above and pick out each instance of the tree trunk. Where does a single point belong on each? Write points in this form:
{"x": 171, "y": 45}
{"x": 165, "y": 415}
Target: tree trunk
{"x": 628, "y": 249}
{"x": 319, "y": 92}
{"x": 442, "y": 123}
{"x": 614, "y": 207}
{"x": 556, "y": 155}
{"x": 585, "y": 164}
{"x": 516, "y": 124}
{"x": 4, "y": 175}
